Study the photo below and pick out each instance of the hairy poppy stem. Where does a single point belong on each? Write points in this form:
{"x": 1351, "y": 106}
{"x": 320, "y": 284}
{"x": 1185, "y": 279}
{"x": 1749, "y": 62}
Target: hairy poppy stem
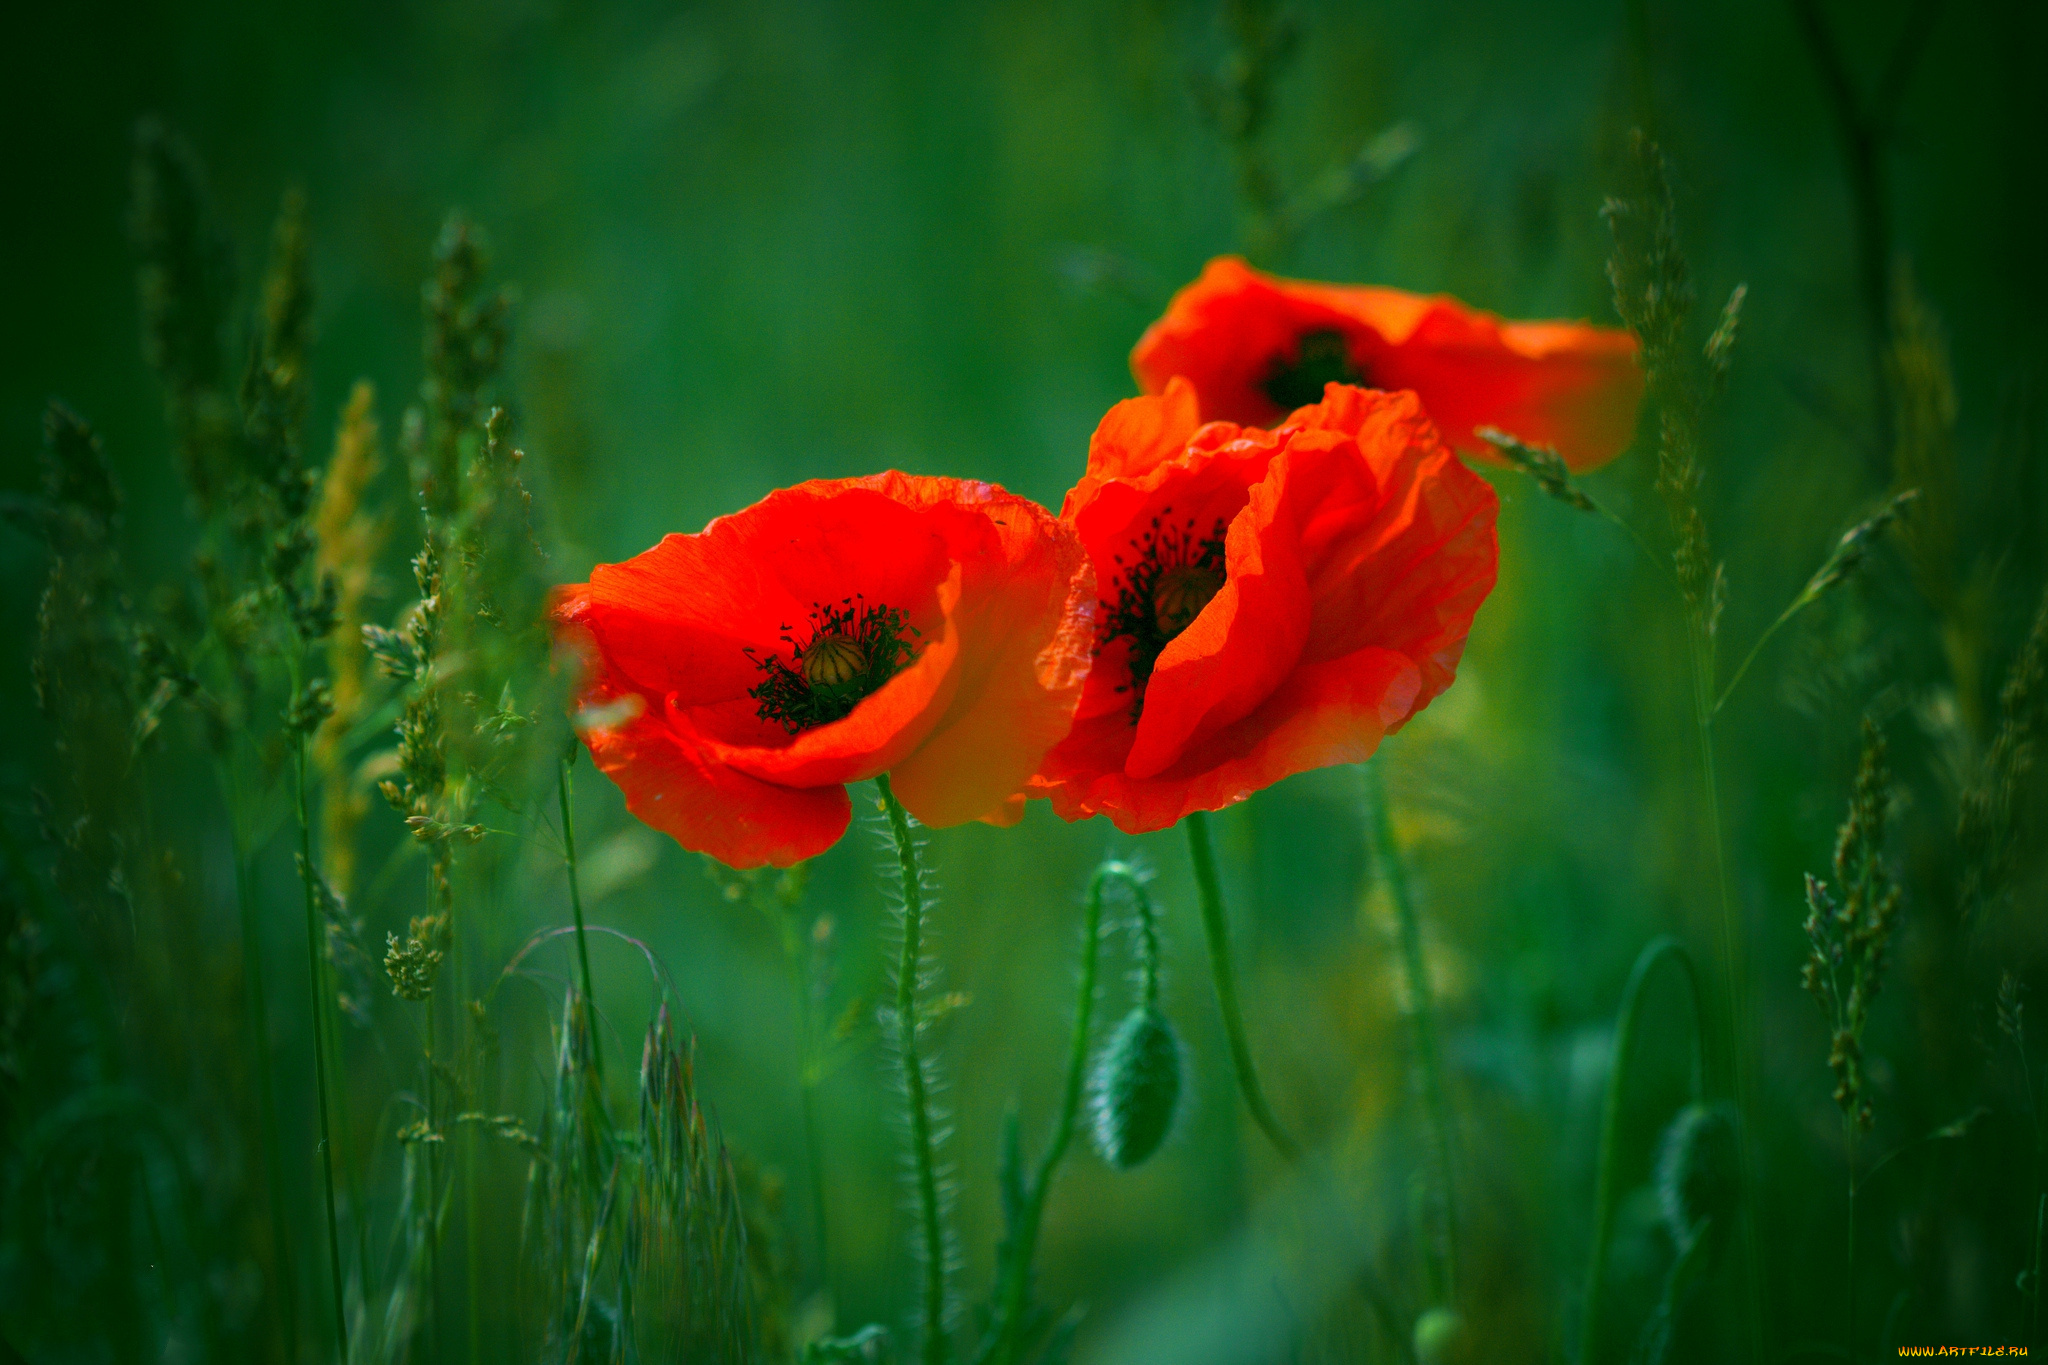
{"x": 1429, "y": 1069}
{"x": 907, "y": 1026}
{"x": 1016, "y": 1287}
{"x": 1217, "y": 930}
{"x": 562, "y": 780}
{"x": 306, "y": 875}
{"x": 1610, "y": 1113}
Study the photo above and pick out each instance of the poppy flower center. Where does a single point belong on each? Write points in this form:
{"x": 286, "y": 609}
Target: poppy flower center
{"x": 1181, "y": 595}
{"x": 833, "y": 662}
{"x": 1171, "y": 574}
{"x": 1320, "y": 357}
{"x": 851, "y": 649}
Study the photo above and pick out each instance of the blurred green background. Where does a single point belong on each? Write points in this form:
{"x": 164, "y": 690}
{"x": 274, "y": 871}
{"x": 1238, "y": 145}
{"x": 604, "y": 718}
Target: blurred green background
{"x": 760, "y": 243}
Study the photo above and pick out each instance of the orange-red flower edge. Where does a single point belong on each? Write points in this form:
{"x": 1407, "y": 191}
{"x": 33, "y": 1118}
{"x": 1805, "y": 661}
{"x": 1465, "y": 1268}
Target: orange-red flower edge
{"x": 996, "y": 600}
{"x": 1256, "y": 346}
{"x": 1354, "y": 549}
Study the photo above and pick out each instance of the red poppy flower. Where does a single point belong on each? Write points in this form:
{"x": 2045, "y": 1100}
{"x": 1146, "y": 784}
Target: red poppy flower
{"x": 1274, "y": 600}
{"x": 1256, "y": 347}
{"x": 938, "y": 630}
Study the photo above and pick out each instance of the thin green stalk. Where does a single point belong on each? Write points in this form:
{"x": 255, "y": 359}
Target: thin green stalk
{"x": 1017, "y": 1287}
{"x": 1429, "y": 1069}
{"x": 257, "y": 1025}
{"x": 433, "y": 1204}
{"x": 306, "y": 875}
{"x": 2041, "y": 1199}
{"x": 1735, "y": 989}
{"x": 814, "y": 1159}
{"x": 1756, "y": 649}
{"x": 473, "y": 1249}
{"x": 1849, "y": 1140}
{"x": 351, "y": 1174}
{"x": 794, "y": 955}
{"x": 1605, "y": 1190}
{"x": 576, "y": 904}
{"x": 1216, "y": 929}
{"x": 907, "y": 1024}
{"x": 2034, "y": 1299}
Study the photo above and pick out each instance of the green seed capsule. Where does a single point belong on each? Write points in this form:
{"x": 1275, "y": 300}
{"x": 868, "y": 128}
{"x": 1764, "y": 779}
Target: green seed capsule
{"x": 1699, "y": 1171}
{"x": 1136, "y": 1088}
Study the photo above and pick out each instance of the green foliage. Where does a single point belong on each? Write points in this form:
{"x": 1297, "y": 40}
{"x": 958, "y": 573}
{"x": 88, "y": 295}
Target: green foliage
{"x": 764, "y": 245}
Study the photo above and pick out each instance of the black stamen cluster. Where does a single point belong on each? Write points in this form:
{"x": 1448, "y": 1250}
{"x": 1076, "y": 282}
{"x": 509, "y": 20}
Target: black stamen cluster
{"x": 1320, "y": 357}
{"x": 879, "y": 648}
{"x": 1134, "y": 615}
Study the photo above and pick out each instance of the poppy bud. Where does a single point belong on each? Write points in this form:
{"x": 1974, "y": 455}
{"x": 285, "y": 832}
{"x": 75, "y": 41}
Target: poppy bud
{"x": 1136, "y": 1088}
{"x": 1699, "y": 1171}
{"x": 1441, "y": 1338}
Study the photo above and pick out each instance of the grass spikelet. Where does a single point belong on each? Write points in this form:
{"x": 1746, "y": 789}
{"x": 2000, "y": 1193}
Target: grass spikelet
{"x": 1541, "y": 463}
{"x": 187, "y": 288}
{"x": 1923, "y": 436}
{"x": 1849, "y": 927}
{"x": 1653, "y": 292}
{"x": 1987, "y": 818}
{"x": 468, "y": 328}
{"x": 687, "y": 1258}
{"x": 570, "y": 1195}
{"x": 348, "y": 536}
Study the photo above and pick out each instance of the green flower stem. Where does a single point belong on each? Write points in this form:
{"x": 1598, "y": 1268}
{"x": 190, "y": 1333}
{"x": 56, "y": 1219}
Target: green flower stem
{"x": 433, "y": 1206}
{"x": 795, "y": 956}
{"x": 1429, "y": 1069}
{"x": 1735, "y": 987}
{"x": 907, "y": 1025}
{"x": 1017, "y": 1286}
{"x": 257, "y": 1026}
{"x": 1605, "y": 1192}
{"x": 313, "y": 975}
{"x": 2034, "y": 1299}
{"x": 576, "y": 905}
{"x": 1849, "y": 1142}
{"x": 1217, "y": 930}
{"x": 351, "y": 1172}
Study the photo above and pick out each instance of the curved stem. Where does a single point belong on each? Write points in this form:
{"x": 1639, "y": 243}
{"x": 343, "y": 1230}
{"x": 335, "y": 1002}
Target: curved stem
{"x": 1756, "y": 649}
{"x": 908, "y": 1024}
{"x": 306, "y": 875}
{"x": 576, "y": 905}
{"x": 1610, "y": 1113}
{"x": 1217, "y": 930}
{"x": 1017, "y": 1283}
{"x": 1429, "y": 1069}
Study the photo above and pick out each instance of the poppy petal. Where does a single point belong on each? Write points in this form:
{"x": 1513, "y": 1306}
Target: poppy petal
{"x": 1234, "y": 332}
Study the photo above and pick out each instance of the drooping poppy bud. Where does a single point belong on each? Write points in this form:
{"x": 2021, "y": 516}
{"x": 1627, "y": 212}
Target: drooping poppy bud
{"x": 1135, "y": 1091}
{"x": 1699, "y": 1172}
